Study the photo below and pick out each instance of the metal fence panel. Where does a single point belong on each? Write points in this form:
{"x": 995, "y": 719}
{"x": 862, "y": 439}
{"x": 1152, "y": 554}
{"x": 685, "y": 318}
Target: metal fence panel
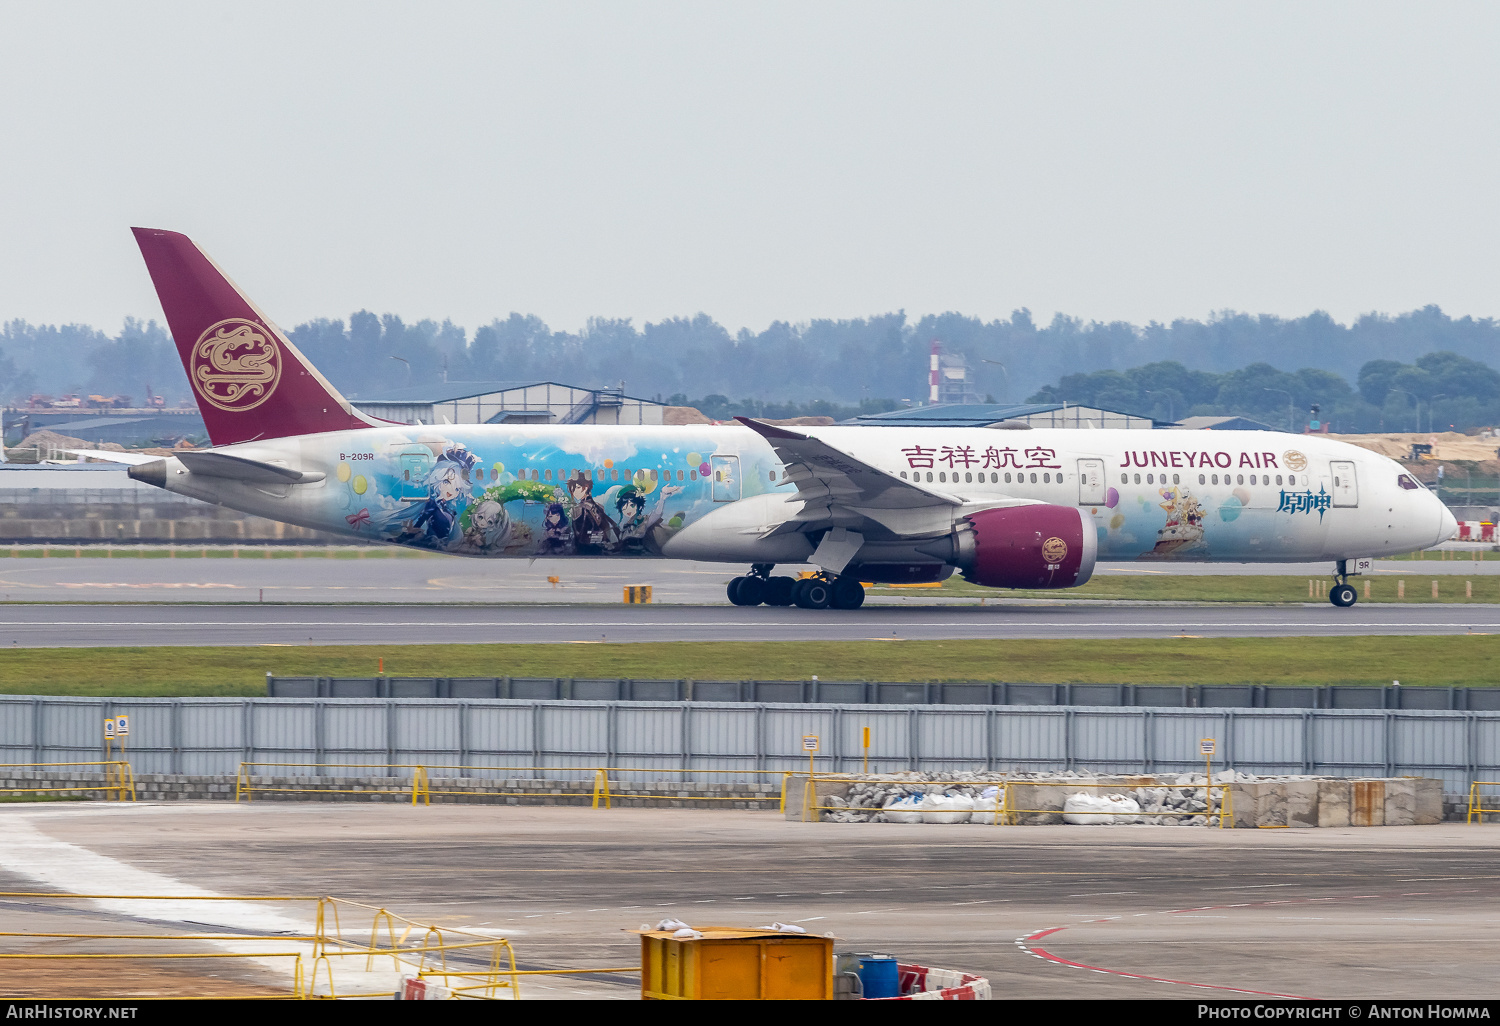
{"x": 501, "y": 734}
{"x": 17, "y": 739}
{"x": 646, "y": 732}
{"x": 1349, "y": 745}
{"x": 890, "y": 738}
{"x": 1108, "y": 741}
{"x": 1433, "y": 742}
{"x": 1272, "y": 742}
{"x": 211, "y": 735}
{"x": 356, "y": 729}
{"x": 1030, "y": 740}
{"x": 955, "y": 738}
{"x": 428, "y": 729}
{"x": 574, "y": 730}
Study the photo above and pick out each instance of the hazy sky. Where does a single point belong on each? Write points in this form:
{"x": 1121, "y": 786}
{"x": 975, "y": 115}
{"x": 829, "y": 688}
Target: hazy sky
{"x": 756, "y": 161}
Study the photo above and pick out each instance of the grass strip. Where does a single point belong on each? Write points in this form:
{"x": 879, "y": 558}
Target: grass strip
{"x": 1462, "y": 660}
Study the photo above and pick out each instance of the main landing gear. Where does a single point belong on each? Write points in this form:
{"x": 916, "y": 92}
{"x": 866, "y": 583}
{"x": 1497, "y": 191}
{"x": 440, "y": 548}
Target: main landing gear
{"x": 820, "y": 591}
{"x": 1342, "y": 594}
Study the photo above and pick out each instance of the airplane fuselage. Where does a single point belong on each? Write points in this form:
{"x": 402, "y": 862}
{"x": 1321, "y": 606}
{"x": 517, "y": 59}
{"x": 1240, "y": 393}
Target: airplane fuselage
{"x": 720, "y": 492}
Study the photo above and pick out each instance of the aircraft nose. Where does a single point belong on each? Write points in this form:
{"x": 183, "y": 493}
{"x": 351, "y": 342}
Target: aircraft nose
{"x": 1448, "y": 526}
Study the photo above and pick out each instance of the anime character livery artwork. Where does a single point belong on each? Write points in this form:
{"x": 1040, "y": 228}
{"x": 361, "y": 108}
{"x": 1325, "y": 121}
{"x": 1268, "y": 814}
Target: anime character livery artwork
{"x": 1022, "y": 509}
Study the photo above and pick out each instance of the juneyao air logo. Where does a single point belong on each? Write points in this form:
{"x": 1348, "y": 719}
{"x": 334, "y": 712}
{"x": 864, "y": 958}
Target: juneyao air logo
{"x": 1054, "y": 550}
{"x": 1294, "y": 460}
{"x": 236, "y": 365}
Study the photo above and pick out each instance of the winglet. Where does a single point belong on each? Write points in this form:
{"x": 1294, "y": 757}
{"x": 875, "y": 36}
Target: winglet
{"x": 765, "y": 430}
{"x": 249, "y": 380}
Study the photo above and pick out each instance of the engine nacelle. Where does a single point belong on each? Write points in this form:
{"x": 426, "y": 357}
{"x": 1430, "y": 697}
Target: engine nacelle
{"x": 1039, "y": 546}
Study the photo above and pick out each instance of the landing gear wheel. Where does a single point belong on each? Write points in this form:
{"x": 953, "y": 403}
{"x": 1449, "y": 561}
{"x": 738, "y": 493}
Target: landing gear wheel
{"x": 812, "y": 593}
{"x": 751, "y": 591}
{"x": 848, "y": 593}
{"x": 734, "y": 590}
{"x": 778, "y": 591}
{"x": 1343, "y": 595}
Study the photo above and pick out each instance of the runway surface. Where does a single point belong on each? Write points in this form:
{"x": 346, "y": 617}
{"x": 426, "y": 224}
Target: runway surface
{"x": 1042, "y": 912}
{"x": 109, "y": 625}
{"x": 444, "y": 579}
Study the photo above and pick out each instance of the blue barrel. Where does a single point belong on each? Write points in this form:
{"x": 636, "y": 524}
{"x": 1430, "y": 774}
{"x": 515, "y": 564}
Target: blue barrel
{"x": 879, "y": 977}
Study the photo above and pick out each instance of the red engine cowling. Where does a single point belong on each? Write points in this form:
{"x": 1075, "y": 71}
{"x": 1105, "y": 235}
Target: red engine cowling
{"x": 1038, "y": 546}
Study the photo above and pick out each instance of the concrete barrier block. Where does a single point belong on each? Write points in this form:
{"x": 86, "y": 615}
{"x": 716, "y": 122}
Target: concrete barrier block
{"x": 1333, "y": 803}
{"x": 796, "y": 794}
{"x": 1429, "y": 800}
{"x": 1367, "y": 803}
{"x": 1301, "y": 803}
{"x": 1400, "y": 802}
{"x": 1244, "y": 797}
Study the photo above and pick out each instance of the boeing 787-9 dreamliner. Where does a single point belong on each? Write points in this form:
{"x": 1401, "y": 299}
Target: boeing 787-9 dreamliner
{"x": 1027, "y": 508}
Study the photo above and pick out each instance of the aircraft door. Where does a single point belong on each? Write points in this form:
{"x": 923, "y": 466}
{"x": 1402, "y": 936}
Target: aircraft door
{"x": 726, "y": 487}
{"x": 1345, "y": 484}
{"x": 1091, "y": 488}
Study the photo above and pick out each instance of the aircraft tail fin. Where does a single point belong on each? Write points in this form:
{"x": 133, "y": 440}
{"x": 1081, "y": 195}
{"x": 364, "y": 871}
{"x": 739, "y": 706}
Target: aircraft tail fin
{"x": 249, "y": 380}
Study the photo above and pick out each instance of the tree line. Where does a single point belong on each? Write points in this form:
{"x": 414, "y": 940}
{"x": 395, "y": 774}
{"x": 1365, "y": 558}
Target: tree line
{"x": 1224, "y": 364}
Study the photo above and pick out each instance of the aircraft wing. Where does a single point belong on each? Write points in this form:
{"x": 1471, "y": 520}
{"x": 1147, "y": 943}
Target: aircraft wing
{"x": 839, "y": 490}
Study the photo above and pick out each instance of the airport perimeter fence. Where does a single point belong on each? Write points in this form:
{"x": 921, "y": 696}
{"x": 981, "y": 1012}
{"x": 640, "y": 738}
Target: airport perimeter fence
{"x": 1156, "y": 696}
{"x": 213, "y": 736}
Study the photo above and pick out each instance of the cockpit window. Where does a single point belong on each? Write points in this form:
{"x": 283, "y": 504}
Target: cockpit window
{"x": 1406, "y": 481}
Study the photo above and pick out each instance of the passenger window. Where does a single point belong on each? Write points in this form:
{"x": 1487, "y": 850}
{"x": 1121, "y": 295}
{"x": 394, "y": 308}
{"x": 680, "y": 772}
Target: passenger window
{"x": 1177, "y": 479}
{"x": 773, "y": 475}
{"x": 903, "y": 475}
{"x": 692, "y": 475}
{"x": 1291, "y": 479}
{"x": 995, "y": 477}
{"x": 1240, "y": 479}
{"x": 1216, "y": 479}
{"x": 968, "y": 478}
{"x": 1151, "y": 479}
{"x": 1033, "y": 479}
{"x": 1124, "y": 478}
{"x": 1137, "y": 479}
{"x": 1007, "y": 477}
{"x": 1278, "y": 479}
{"x": 1202, "y": 479}
{"x": 1047, "y": 478}
{"x": 943, "y": 475}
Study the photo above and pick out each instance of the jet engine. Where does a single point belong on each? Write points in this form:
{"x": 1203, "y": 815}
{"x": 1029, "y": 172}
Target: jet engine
{"x": 1036, "y": 546}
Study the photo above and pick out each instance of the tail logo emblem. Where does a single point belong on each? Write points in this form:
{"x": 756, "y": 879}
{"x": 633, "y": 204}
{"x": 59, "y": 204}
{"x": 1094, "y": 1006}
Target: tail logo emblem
{"x": 236, "y": 365}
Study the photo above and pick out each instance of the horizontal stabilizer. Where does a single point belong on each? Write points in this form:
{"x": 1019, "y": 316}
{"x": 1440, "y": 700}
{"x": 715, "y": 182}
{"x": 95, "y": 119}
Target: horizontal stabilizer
{"x": 130, "y": 459}
{"x": 207, "y": 463}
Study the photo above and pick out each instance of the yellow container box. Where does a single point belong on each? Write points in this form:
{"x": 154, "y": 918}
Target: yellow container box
{"x": 727, "y": 964}
{"x": 637, "y": 593}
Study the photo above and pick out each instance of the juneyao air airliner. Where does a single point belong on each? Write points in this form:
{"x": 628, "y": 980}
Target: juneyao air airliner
{"x": 1025, "y": 508}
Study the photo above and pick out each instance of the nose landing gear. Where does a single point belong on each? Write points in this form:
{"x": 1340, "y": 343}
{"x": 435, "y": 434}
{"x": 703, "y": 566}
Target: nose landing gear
{"x": 820, "y": 591}
{"x": 1342, "y": 594}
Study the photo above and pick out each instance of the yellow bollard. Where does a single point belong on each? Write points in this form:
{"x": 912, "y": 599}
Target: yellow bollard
{"x": 1468, "y": 589}
{"x": 1309, "y": 589}
{"x": 1401, "y": 589}
{"x": 1367, "y": 589}
{"x": 1434, "y": 589}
